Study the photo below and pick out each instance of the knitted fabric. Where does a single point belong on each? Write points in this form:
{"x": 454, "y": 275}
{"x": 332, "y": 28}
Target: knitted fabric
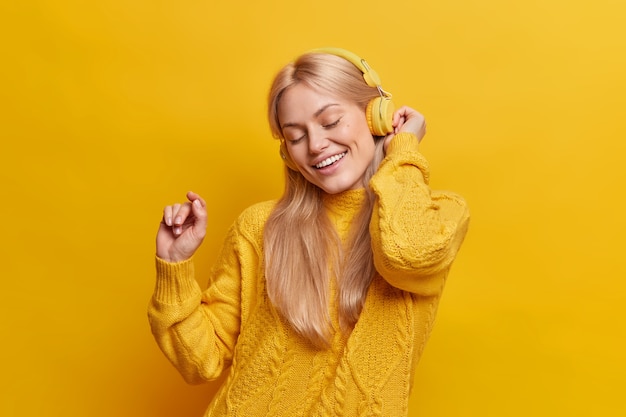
{"x": 232, "y": 326}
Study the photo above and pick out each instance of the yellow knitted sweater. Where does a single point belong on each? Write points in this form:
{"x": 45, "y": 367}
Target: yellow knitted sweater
{"x": 272, "y": 371}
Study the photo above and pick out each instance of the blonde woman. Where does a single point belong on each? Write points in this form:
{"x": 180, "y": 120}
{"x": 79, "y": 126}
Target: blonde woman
{"x": 319, "y": 303}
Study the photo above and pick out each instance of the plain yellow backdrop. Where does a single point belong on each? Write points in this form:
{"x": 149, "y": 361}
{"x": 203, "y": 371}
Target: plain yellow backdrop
{"x": 112, "y": 109}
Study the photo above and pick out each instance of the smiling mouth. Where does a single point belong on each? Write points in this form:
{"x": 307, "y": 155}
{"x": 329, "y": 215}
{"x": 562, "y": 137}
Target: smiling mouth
{"x": 329, "y": 161}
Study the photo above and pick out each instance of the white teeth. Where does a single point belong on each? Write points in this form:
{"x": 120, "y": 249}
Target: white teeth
{"x": 330, "y": 160}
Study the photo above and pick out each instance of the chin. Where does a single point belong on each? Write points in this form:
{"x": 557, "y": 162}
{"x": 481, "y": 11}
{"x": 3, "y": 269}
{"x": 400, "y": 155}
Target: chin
{"x": 339, "y": 188}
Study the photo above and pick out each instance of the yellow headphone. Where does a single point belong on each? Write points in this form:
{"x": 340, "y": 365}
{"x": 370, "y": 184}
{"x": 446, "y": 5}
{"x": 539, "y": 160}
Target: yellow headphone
{"x": 379, "y": 111}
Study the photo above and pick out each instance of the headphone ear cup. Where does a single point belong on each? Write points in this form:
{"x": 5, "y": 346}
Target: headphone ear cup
{"x": 284, "y": 154}
{"x": 379, "y": 115}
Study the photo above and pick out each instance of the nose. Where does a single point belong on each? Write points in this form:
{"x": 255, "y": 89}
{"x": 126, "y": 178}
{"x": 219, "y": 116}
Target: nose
{"x": 317, "y": 142}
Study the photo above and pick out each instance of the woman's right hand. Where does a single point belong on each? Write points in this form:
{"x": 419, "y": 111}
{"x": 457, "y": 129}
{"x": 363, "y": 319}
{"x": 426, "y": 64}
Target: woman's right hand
{"x": 182, "y": 229}
{"x": 409, "y": 120}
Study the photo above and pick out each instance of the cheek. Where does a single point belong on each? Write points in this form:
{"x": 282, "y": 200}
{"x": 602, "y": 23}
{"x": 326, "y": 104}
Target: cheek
{"x": 367, "y": 148}
{"x": 364, "y": 139}
{"x": 297, "y": 153}
{"x": 358, "y": 132}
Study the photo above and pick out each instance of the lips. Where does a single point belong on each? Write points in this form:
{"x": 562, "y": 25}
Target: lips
{"x": 330, "y": 160}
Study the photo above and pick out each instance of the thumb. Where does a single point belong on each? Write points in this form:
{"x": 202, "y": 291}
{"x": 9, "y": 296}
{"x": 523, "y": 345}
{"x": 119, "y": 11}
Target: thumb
{"x": 198, "y": 208}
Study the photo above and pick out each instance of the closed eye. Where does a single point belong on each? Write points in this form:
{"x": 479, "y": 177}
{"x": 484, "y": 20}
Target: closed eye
{"x": 333, "y": 124}
{"x": 296, "y": 140}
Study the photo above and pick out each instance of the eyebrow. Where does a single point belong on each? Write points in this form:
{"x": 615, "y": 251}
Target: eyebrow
{"x": 316, "y": 114}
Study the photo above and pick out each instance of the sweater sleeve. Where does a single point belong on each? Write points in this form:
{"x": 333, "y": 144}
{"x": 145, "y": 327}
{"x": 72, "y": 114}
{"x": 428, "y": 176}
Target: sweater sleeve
{"x": 416, "y": 232}
{"x": 196, "y": 330}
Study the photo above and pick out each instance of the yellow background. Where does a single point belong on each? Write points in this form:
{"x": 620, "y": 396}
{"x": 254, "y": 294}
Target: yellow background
{"x": 112, "y": 109}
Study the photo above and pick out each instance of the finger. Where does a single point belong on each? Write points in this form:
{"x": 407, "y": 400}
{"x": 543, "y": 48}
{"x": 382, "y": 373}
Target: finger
{"x": 399, "y": 124}
{"x": 191, "y": 196}
{"x": 181, "y": 215}
{"x": 199, "y": 211}
{"x": 175, "y": 210}
{"x": 198, "y": 207}
{"x": 396, "y": 117}
{"x": 177, "y": 220}
{"x": 167, "y": 215}
{"x": 400, "y": 116}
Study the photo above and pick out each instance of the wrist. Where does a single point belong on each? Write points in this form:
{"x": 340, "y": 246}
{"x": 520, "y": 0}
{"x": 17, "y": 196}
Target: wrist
{"x": 402, "y": 142}
{"x": 172, "y": 258}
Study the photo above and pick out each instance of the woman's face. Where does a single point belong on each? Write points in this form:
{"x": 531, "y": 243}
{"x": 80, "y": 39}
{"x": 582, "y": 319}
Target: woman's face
{"x": 327, "y": 138}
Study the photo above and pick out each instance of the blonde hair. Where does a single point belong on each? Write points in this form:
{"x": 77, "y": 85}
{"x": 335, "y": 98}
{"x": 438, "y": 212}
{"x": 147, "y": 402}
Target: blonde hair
{"x": 302, "y": 249}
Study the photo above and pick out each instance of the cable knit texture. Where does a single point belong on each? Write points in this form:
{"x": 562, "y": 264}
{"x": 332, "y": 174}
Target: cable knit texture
{"x": 232, "y": 326}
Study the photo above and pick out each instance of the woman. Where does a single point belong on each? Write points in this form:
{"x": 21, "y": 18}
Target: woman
{"x": 320, "y": 303}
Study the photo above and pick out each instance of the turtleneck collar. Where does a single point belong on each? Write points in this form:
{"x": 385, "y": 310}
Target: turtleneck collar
{"x": 344, "y": 204}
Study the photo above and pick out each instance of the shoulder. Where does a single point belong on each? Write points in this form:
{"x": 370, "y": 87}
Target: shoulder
{"x": 251, "y": 220}
{"x": 257, "y": 212}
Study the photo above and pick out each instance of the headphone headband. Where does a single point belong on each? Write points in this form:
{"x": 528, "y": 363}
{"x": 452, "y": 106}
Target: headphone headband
{"x": 371, "y": 77}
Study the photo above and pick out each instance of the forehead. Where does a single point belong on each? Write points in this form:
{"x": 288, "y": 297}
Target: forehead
{"x": 302, "y": 100}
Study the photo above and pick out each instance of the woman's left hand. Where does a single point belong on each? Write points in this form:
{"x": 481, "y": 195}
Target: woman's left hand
{"x": 408, "y": 120}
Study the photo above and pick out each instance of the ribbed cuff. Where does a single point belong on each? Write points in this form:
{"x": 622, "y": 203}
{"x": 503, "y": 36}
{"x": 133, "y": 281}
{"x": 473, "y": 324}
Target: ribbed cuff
{"x": 403, "y": 142}
{"x": 404, "y": 149}
{"x": 175, "y": 282}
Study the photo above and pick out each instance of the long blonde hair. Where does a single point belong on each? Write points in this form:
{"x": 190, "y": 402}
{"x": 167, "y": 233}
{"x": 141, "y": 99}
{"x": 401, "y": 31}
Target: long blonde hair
{"x": 302, "y": 249}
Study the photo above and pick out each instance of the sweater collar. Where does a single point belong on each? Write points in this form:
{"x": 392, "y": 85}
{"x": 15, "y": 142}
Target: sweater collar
{"x": 346, "y": 203}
